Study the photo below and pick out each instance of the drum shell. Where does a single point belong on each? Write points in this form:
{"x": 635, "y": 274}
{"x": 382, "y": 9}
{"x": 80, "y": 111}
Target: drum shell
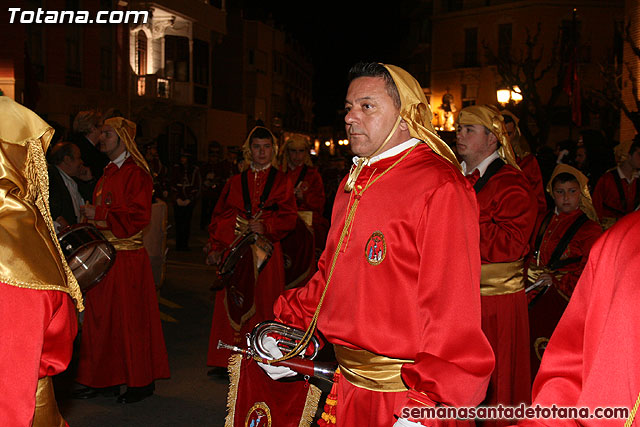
{"x": 89, "y": 254}
{"x": 251, "y": 243}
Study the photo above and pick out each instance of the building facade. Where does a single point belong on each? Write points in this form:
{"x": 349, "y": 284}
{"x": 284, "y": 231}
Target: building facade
{"x": 463, "y": 30}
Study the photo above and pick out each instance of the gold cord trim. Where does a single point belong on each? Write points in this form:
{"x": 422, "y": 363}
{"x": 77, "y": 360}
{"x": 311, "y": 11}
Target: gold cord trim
{"x": 38, "y": 193}
{"x": 632, "y": 416}
{"x": 306, "y": 338}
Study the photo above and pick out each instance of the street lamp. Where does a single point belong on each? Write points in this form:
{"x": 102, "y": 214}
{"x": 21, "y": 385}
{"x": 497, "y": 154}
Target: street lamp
{"x": 507, "y": 95}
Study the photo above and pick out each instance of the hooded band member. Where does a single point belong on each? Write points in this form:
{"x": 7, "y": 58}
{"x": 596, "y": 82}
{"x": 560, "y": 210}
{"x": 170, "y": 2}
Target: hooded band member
{"x": 401, "y": 266}
{"x": 37, "y": 315}
{"x": 257, "y": 201}
{"x": 122, "y": 339}
{"x": 508, "y": 213}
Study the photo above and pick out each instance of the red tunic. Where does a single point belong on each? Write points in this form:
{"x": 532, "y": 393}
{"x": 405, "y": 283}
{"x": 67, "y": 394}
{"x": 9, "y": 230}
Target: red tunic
{"x": 313, "y": 200}
{"x": 270, "y": 282}
{"x": 508, "y": 212}
{"x": 606, "y": 196}
{"x": 420, "y": 302}
{"x": 122, "y": 340}
{"x": 531, "y": 169}
{"x": 592, "y": 358}
{"x": 43, "y": 346}
{"x": 566, "y": 277}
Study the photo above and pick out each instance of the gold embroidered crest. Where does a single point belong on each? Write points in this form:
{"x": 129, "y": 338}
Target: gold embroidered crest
{"x": 376, "y": 248}
{"x": 258, "y": 416}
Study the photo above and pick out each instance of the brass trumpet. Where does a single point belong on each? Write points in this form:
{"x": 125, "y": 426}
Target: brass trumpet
{"x": 288, "y": 337}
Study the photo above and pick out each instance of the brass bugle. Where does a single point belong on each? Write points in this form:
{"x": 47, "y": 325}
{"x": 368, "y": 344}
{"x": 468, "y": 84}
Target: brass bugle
{"x": 306, "y": 367}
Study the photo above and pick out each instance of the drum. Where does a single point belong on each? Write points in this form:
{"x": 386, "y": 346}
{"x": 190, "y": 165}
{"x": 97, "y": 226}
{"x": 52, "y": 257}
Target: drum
{"x": 252, "y": 243}
{"x": 298, "y": 250}
{"x": 88, "y": 253}
{"x": 545, "y": 311}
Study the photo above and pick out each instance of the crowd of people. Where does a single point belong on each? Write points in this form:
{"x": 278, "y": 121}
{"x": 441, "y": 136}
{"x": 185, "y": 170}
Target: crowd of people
{"x": 438, "y": 273}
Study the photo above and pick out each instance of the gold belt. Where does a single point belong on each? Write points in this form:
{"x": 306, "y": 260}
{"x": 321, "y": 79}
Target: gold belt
{"x": 46, "y": 412}
{"x": 502, "y": 278}
{"x": 128, "y": 244}
{"x": 369, "y": 370}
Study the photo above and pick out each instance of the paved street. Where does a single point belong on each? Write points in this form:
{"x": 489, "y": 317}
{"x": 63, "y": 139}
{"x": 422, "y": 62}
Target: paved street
{"x": 189, "y": 398}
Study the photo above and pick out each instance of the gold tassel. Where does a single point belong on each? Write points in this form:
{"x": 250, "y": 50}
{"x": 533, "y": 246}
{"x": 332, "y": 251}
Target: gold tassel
{"x": 353, "y": 175}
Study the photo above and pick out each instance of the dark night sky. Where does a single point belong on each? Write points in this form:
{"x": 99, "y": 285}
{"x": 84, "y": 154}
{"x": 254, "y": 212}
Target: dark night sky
{"x": 337, "y": 34}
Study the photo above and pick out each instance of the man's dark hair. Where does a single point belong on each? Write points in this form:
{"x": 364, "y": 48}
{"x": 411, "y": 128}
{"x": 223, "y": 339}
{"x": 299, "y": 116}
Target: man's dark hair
{"x": 60, "y": 151}
{"x": 261, "y": 133}
{"x": 374, "y": 69}
{"x": 563, "y": 177}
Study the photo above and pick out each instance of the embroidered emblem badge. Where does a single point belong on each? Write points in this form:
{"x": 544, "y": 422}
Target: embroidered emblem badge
{"x": 376, "y": 248}
{"x": 108, "y": 198}
{"x": 258, "y": 416}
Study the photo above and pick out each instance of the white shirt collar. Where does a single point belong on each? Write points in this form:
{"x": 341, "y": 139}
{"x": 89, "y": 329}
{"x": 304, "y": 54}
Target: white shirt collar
{"x": 634, "y": 175}
{"x": 255, "y": 168}
{"x": 390, "y": 152}
{"x": 482, "y": 167}
{"x": 120, "y": 159}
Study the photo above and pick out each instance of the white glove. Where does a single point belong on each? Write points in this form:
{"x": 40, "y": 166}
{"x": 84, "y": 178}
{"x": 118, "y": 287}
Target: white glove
{"x": 403, "y": 422}
{"x": 275, "y": 372}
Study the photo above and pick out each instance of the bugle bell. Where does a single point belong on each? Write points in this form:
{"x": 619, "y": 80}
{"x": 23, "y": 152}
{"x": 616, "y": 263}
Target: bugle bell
{"x": 287, "y": 338}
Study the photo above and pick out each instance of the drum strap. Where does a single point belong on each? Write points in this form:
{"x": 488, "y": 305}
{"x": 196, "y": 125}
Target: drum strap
{"x": 303, "y": 173}
{"x": 265, "y": 193}
{"x": 493, "y": 168}
{"x": 554, "y": 261}
{"x": 543, "y": 228}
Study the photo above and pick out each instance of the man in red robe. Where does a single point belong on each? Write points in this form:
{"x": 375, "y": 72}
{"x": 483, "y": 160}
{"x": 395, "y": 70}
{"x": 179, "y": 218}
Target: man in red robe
{"x": 617, "y": 192}
{"x": 508, "y": 213}
{"x": 308, "y": 238}
{"x": 525, "y": 159}
{"x": 257, "y": 202}
{"x": 122, "y": 340}
{"x": 592, "y": 358}
{"x": 37, "y": 315}
{"x": 560, "y": 247}
{"x": 396, "y": 291}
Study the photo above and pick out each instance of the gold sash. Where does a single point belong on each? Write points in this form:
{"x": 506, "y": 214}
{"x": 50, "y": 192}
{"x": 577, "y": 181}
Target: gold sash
{"x": 502, "y": 278}
{"x": 369, "y": 370}
{"x": 307, "y": 217}
{"x": 127, "y": 244}
{"x": 46, "y": 412}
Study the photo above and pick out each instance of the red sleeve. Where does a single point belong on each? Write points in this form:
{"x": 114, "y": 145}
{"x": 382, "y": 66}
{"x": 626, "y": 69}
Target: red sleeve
{"x": 531, "y": 170}
{"x": 508, "y": 214}
{"x": 279, "y": 222}
{"x": 130, "y": 211}
{"x": 221, "y": 213}
{"x": 451, "y": 368}
{"x": 580, "y": 246}
{"x": 37, "y": 333}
